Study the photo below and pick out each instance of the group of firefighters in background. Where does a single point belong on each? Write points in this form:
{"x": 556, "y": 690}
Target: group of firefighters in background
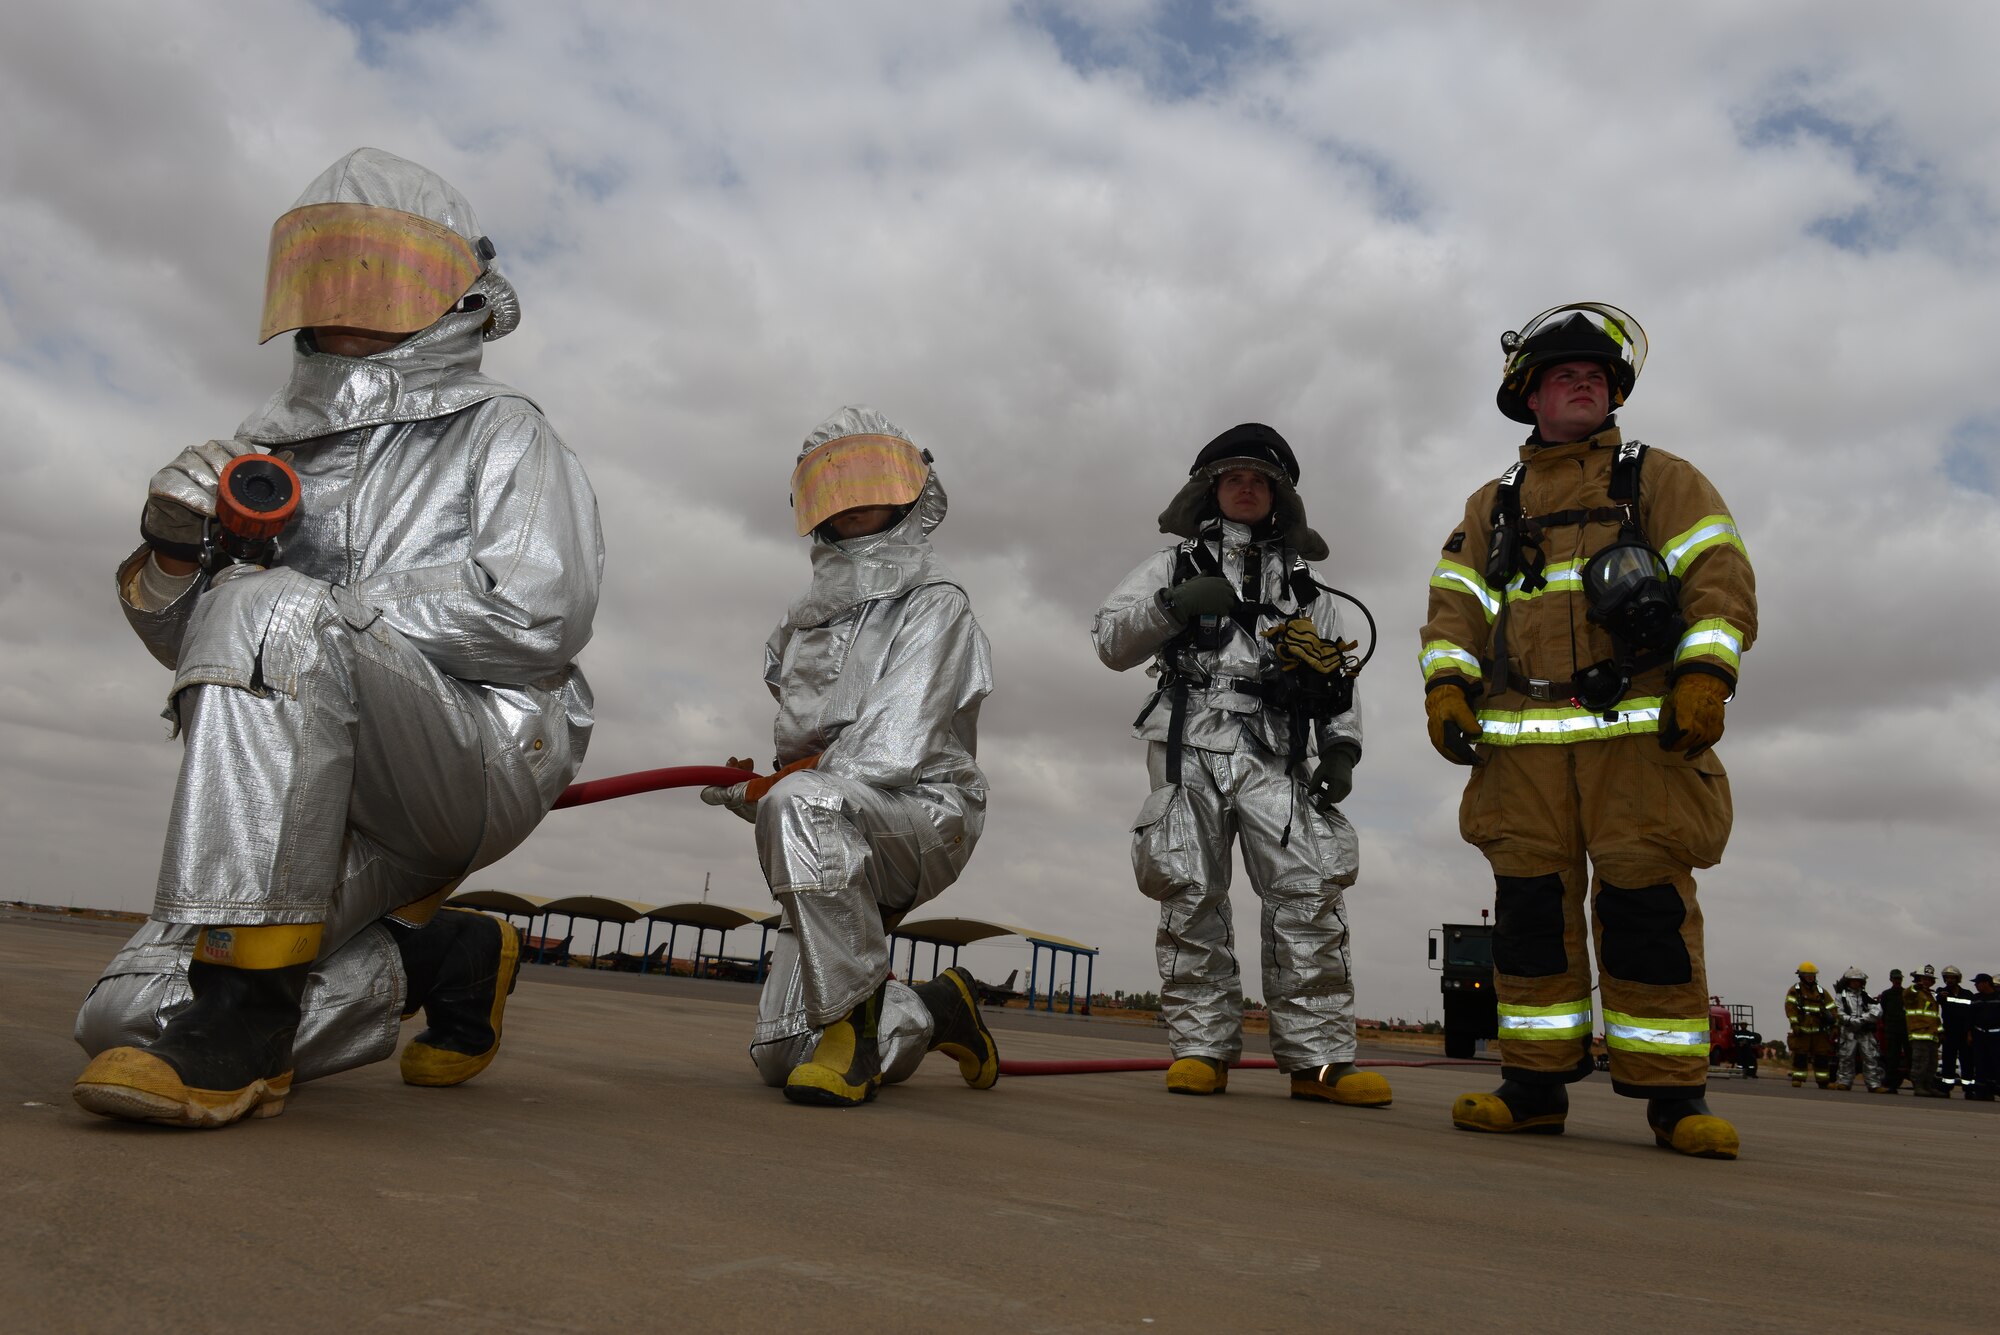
{"x": 1937, "y": 1040}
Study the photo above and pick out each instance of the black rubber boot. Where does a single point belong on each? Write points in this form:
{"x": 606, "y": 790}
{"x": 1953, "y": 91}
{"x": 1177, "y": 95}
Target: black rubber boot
{"x": 1686, "y": 1126}
{"x": 461, "y": 967}
{"x": 225, "y": 1057}
{"x": 845, "y": 1068}
{"x": 957, "y": 1030}
{"x": 1536, "y": 1109}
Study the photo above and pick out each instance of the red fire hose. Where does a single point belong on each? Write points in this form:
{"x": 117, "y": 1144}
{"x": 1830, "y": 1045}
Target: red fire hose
{"x": 1096, "y": 1066}
{"x": 649, "y": 781}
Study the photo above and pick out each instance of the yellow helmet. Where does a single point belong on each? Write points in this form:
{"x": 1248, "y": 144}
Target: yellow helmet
{"x": 1809, "y": 967}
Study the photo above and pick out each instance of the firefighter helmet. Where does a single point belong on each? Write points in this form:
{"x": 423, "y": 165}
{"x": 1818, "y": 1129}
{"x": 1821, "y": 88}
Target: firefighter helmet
{"x": 1951, "y": 971}
{"x": 1809, "y": 967}
{"x": 1582, "y": 331}
{"x": 1854, "y": 974}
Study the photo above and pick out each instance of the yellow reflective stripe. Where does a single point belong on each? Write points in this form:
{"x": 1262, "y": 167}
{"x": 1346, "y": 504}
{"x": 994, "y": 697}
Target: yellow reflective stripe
{"x": 1567, "y": 723}
{"x": 1712, "y": 531}
{"x": 1442, "y": 655}
{"x": 1451, "y": 575}
{"x": 1674, "y": 1038}
{"x": 276, "y": 946}
{"x": 1569, "y": 1019}
{"x": 1715, "y": 638}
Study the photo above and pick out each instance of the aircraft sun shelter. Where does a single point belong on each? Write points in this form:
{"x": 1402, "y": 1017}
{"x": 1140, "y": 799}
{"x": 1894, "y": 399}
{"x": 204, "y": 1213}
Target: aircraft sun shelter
{"x": 955, "y": 933}
{"x": 603, "y": 911}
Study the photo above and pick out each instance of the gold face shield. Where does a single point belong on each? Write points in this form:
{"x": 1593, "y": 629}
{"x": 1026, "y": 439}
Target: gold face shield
{"x": 855, "y": 471}
{"x": 355, "y": 266}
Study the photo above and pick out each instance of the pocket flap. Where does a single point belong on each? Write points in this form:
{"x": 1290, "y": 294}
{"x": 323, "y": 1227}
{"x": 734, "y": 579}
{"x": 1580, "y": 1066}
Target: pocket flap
{"x": 1156, "y": 806}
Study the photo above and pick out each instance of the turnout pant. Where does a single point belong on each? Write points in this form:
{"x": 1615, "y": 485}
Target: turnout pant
{"x": 1181, "y": 856}
{"x": 1858, "y": 1047}
{"x": 329, "y": 774}
{"x": 1812, "y": 1055}
{"x": 1619, "y": 825}
{"x": 1955, "y": 1060}
{"x": 1923, "y": 1066}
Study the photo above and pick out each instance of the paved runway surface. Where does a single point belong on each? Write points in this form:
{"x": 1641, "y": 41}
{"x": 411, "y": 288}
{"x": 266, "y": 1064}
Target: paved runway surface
{"x": 620, "y": 1168}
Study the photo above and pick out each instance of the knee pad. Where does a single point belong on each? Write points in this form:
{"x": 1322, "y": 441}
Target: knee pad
{"x": 1642, "y": 934}
{"x": 1528, "y": 926}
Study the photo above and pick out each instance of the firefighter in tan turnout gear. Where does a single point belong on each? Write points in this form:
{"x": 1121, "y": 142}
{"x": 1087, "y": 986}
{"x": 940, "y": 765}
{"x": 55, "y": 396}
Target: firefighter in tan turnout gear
{"x": 1587, "y": 618}
{"x": 1810, "y": 1012}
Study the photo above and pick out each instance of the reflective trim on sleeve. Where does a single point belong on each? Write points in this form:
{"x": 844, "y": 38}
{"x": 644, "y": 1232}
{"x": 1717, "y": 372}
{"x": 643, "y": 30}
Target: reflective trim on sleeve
{"x": 1715, "y": 638}
{"x": 1712, "y": 531}
{"x": 1567, "y": 723}
{"x": 1451, "y": 575}
{"x": 1569, "y": 1019}
{"x": 1442, "y": 655}
{"x": 1673, "y": 1038}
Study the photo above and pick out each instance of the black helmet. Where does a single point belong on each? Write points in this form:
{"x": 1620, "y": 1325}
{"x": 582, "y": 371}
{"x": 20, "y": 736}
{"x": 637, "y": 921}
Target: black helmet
{"x": 1583, "y": 331}
{"x": 1252, "y": 443}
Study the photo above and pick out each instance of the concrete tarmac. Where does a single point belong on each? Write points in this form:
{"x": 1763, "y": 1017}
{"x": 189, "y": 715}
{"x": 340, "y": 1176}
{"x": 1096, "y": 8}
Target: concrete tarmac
{"x": 620, "y": 1167}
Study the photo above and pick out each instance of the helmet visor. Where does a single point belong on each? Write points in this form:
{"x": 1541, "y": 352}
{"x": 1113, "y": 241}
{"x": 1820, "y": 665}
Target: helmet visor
{"x": 1614, "y": 324}
{"x": 355, "y": 266}
{"x": 852, "y": 472}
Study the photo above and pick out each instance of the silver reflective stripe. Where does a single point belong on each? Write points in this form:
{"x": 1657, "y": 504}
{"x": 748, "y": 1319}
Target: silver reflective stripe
{"x": 1636, "y": 1033}
{"x": 1573, "y": 1020}
{"x": 1677, "y": 555}
{"x": 1433, "y": 657}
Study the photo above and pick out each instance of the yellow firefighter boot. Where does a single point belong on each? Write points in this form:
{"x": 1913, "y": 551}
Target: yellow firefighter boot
{"x": 1539, "y": 1110}
{"x": 845, "y": 1068}
{"x": 226, "y": 1055}
{"x": 461, "y": 968}
{"x": 1686, "y": 1126}
{"x": 957, "y": 1030}
{"x": 1198, "y": 1075}
{"x": 1341, "y": 1083}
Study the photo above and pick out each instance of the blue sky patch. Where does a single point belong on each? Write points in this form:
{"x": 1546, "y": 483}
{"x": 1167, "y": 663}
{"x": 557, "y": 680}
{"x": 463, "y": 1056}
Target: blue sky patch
{"x": 1903, "y": 188}
{"x": 379, "y": 22}
{"x": 1972, "y": 455}
{"x": 1181, "y": 49}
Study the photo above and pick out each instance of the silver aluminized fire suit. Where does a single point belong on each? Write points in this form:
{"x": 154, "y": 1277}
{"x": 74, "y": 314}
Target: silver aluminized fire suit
{"x": 880, "y": 670}
{"x": 396, "y": 703}
{"x": 1234, "y": 782}
{"x": 1858, "y": 1012}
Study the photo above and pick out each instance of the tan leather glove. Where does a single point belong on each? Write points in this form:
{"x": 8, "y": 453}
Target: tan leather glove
{"x": 1297, "y": 643}
{"x": 732, "y": 795}
{"x": 1453, "y": 726}
{"x": 1691, "y": 717}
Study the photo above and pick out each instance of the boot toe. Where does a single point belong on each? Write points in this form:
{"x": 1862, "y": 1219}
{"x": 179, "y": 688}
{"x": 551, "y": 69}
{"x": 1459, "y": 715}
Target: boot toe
{"x": 1489, "y": 1112}
{"x": 133, "y": 1085}
{"x": 1702, "y": 1137}
{"x": 823, "y": 1086}
{"x": 1192, "y": 1075}
{"x": 438, "y": 1068}
{"x": 1356, "y": 1089}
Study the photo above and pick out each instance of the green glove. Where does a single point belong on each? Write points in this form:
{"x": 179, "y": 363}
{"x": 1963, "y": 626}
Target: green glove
{"x": 1202, "y": 596}
{"x": 1334, "y": 779}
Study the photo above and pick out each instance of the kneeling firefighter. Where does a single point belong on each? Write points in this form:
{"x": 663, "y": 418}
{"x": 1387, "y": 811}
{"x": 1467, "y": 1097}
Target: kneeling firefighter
{"x": 1253, "y": 731}
{"x": 1587, "y": 620}
{"x": 877, "y": 799}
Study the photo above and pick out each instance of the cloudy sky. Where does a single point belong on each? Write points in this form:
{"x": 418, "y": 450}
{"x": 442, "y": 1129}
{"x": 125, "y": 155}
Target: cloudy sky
{"x": 1063, "y": 244}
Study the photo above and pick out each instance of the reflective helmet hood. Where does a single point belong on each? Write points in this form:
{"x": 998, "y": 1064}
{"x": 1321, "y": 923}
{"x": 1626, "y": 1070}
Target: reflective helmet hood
{"x": 380, "y": 243}
{"x": 1582, "y": 331}
{"x": 1250, "y": 445}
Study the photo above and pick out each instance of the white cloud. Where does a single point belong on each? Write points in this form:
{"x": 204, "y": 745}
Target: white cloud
{"x": 1063, "y": 256}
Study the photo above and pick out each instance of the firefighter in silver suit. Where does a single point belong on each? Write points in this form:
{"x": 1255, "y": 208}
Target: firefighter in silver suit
{"x": 387, "y": 705}
{"x": 876, "y": 799}
{"x": 1223, "y": 617}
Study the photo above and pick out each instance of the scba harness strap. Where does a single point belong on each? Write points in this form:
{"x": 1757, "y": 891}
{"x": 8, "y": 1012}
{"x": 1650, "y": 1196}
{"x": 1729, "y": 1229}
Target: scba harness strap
{"x": 1324, "y": 696}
